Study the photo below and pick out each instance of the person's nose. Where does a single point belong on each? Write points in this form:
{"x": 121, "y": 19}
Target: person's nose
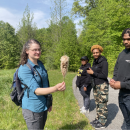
{"x": 37, "y": 52}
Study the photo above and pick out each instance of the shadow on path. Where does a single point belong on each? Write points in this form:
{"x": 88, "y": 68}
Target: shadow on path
{"x": 112, "y": 112}
{"x": 79, "y": 125}
{"x": 115, "y": 117}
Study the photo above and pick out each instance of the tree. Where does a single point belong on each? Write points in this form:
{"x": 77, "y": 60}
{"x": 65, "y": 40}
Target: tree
{"x": 83, "y": 11}
{"x": 68, "y": 45}
{"x": 104, "y": 26}
{"x": 54, "y": 32}
{"x": 9, "y": 48}
{"x": 43, "y": 35}
{"x": 27, "y": 29}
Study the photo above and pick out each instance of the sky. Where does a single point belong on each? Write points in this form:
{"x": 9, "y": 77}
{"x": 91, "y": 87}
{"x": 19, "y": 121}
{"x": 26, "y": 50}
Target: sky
{"x": 11, "y": 11}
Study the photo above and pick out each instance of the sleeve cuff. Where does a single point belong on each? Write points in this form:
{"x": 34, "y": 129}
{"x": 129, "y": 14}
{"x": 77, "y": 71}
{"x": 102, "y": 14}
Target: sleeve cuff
{"x": 85, "y": 85}
{"x": 123, "y": 85}
{"x": 95, "y": 74}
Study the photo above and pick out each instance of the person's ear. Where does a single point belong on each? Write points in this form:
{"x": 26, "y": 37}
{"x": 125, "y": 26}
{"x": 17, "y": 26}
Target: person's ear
{"x": 27, "y": 51}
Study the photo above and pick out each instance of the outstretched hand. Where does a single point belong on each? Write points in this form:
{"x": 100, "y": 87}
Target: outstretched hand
{"x": 60, "y": 86}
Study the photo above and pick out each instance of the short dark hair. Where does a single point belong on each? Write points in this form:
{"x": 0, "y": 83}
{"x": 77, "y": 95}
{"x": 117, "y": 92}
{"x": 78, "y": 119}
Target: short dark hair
{"x": 127, "y": 30}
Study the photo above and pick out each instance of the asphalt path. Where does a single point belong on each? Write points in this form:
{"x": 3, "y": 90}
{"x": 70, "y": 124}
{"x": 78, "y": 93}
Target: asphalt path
{"x": 115, "y": 118}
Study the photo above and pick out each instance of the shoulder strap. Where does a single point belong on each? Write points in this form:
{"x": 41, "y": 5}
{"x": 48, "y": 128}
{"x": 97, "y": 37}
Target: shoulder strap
{"x": 47, "y": 74}
{"x": 30, "y": 67}
{"x": 39, "y": 76}
{"x": 20, "y": 91}
{"x": 19, "y": 97}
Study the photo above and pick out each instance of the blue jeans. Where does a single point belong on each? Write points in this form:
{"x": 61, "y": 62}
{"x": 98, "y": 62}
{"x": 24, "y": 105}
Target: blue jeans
{"x": 124, "y": 104}
{"x": 86, "y": 96}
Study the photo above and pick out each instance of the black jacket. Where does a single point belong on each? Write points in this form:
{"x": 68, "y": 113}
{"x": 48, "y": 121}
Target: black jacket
{"x": 100, "y": 68}
{"x": 122, "y": 71}
{"x": 83, "y": 78}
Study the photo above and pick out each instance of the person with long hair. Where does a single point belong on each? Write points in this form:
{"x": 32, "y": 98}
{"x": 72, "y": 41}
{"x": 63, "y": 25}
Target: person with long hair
{"x": 34, "y": 107}
{"x": 121, "y": 78}
{"x": 99, "y": 73}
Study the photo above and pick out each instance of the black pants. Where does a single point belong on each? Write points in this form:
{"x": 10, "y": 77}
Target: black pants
{"x": 34, "y": 121}
{"x": 124, "y": 104}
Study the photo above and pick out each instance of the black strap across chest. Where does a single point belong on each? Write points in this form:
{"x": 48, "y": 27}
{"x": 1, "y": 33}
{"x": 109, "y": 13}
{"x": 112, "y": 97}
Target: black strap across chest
{"x": 39, "y": 76}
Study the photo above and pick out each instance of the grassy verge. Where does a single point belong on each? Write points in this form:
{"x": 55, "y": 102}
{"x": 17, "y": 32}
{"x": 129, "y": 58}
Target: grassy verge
{"x": 65, "y": 114}
{"x": 110, "y": 75}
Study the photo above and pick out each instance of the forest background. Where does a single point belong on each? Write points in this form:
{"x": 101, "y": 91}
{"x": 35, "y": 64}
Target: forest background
{"x": 103, "y": 23}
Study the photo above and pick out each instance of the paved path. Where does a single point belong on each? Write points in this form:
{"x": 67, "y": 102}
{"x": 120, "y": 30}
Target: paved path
{"x": 115, "y": 118}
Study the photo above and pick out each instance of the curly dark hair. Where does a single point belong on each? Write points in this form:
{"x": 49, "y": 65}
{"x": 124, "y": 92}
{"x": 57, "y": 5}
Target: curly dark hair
{"x": 26, "y": 46}
{"x": 127, "y": 30}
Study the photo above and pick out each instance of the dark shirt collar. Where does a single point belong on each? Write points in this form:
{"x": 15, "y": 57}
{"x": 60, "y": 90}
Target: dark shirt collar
{"x": 127, "y": 50}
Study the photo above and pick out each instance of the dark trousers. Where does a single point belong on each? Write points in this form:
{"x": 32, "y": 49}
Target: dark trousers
{"x": 124, "y": 104}
{"x": 34, "y": 121}
{"x": 86, "y": 96}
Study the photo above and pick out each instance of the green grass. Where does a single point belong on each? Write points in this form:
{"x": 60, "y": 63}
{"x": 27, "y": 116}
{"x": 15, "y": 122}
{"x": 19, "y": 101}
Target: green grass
{"x": 110, "y": 75}
{"x": 65, "y": 113}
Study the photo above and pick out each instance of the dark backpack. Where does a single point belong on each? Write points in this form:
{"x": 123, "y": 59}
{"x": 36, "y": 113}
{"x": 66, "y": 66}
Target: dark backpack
{"x": 18, "y": 92}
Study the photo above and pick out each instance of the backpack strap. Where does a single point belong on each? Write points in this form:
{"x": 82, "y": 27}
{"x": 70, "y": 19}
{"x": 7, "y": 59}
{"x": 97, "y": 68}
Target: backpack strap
{"x": 32, "y": 69}
{"x": 23, "y": 91}
{"x": 25, "y": 87}
{"x": 40, "y": 77}
{"x": 14, "y": 77}
{"x": 47, "y": 74}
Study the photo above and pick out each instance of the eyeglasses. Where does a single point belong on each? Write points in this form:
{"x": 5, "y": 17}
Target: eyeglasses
{"x": 35, "y": 50}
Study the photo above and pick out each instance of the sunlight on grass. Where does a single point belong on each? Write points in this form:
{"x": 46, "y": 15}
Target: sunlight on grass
{"x": 65, "y": 114}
